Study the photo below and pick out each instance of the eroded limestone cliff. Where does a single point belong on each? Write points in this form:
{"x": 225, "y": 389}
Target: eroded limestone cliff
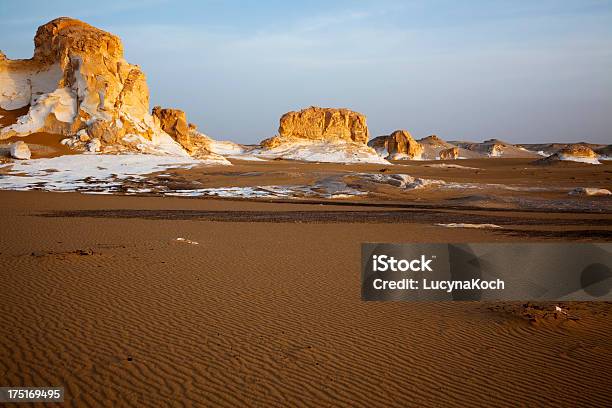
{"x": 78, "y": 84}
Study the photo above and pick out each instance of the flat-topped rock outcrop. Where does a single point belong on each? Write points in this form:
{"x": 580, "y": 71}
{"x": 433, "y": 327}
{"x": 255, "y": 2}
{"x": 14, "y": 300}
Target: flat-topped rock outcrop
{"x": 321, "y": 134}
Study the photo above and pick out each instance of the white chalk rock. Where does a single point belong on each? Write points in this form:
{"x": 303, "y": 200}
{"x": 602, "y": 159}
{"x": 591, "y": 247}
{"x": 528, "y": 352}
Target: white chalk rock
{"x": 94, "y": 145}
{"x": 20, "y": 150}
{"x": 83, "y": 136}
{"x": 590, "y": 191}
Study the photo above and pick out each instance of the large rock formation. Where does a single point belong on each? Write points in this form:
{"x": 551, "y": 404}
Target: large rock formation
{"x": 576, "y": 153}
{"x": 77, "y": 76}
{"x": 399, "y": 145}
{"x": 321, "y": 134}
{"x": 321, "y": 124}
{"x": 78, "y": 84}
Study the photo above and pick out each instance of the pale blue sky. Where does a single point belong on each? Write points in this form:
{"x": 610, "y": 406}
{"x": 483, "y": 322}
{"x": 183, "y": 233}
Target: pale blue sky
{"x": 523, "y": 71}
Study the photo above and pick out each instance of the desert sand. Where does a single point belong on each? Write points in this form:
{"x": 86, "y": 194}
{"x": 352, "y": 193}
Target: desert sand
{"x": 101, "y": 297}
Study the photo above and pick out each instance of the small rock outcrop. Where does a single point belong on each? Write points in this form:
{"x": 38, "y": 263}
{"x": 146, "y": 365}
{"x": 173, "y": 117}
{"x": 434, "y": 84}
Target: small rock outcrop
{"x": 20, "y": 150}
{"x": 590, "y": 191}
{"x": 399, "y": 145}
{"x": 450, "y": 154}
{"x": 174, "y": 123}
{"x": 576, "y": 153}
{"x": 496, "y": 150}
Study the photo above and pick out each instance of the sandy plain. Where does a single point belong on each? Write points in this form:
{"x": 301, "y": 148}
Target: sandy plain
{"x": 100, "y": 297}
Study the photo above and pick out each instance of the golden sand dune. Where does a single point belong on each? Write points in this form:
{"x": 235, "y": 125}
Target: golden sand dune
{"x": 120, "y": 313}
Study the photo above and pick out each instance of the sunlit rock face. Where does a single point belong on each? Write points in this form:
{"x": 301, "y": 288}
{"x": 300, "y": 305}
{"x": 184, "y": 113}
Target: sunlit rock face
{"x": 321, "y": 134}
{"x": 174, "y": 123}
{"x": 579, "y": 151}
{"x": 77, "y": 77}
{"x": 450, "y": 154}
{"x": 399, "y": 145}
{"x": 576, "y": 153}
{"x": 590, "y": 191}
{"x": 78, "y": 84}
{"x": 321, "y": 124}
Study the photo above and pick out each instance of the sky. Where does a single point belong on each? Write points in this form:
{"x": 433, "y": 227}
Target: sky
{"x": 523, "y": 71}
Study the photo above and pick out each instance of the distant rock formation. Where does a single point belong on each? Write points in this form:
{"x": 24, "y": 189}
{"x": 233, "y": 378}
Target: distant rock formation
{"x": 399, "y": 145}
{"x": 496, "y": 148}
{"x": 546, "y": 149}
{"x": 576, "y": 153}
{"x": 435, "y": 141}
{"x": 78, "y": 84}
{"x": 321, "y": 134}
{"x": 433, "y": 145}
{"x": 450, "y": 154}
{"x": 321, "y": 124}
